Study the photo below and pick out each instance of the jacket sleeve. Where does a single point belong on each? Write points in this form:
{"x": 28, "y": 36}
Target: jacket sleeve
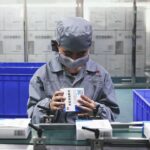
{"x": 36, "y": 97}
{"x": 107, "y": 102}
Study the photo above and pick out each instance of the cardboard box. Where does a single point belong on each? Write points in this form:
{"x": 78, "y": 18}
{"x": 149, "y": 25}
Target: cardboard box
{"x": 116, "y": 65}
{"x": 36, "y": 18}
{"x": 140, "y": 63}
{"x": 97, "y": 17}
{"x": 140, "y": 18}
{"x": 100, "y": 59}
{"x": 13, "y": 17}
{"x": 104, "y": 42}
{"x": 14, "y": 128}
{"x": 54, "y": 16}
{"x": 103, "y": 126}
{"x": 39, "y": 42}
{"x": 13, "y": 42}
{"x": 115, "y": 18}
{"x": 147, "y": 129}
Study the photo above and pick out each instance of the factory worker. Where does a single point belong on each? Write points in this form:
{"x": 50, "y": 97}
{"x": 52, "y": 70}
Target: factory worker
{"x": 71, "y": 67}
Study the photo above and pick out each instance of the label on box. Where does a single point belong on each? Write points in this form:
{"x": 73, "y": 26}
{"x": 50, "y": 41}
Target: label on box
{"x": 72, "y": 95}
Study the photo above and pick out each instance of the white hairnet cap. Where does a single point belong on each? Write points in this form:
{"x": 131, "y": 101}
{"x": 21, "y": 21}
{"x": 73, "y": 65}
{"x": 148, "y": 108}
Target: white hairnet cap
{"x": 74, "y": 34}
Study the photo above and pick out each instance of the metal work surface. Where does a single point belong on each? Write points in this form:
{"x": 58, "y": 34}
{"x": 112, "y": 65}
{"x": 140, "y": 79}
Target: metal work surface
{"x": 30, "y": 147}
{"x": 63, "y": 136}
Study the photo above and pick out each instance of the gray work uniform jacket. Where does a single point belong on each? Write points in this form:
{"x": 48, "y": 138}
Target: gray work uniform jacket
{"x": 51, "y": 77}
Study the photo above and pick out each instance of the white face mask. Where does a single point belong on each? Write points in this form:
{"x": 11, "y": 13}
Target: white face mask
{"x": 70, "y": 63}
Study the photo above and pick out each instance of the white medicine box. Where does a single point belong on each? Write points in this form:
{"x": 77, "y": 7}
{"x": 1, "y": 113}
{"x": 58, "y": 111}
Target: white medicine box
{"x": 72, "y": 96}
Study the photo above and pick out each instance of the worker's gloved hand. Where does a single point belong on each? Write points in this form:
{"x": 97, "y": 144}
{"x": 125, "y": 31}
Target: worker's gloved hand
{"x": 58, "y": 101}
{"x": 86, "y": 104}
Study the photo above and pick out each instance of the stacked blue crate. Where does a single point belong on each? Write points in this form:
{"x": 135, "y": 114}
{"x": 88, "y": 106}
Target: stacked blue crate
{"x": 14, "y": 83}
{"x": 141, "y": 105}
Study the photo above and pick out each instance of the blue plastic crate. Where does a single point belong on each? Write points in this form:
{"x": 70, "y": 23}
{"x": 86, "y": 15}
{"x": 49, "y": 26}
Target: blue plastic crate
{"x": 141, "y": 105}
{"x": 14, "y": 83}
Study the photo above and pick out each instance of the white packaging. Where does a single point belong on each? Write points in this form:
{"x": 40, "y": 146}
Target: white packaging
{"x": 39, "y": 58}
{"x": 140, "y": 18}
{"x": 148, "y": 45}
{"x": 147, "y": 129}
{"x": 14, "y": 58}
{"x": 52, "y": 20}
{"x": 116, "y": 65}
{"x": 101, "y": 59}
{"x": 13, "y": 18}
{"x": 1, "y": 18}
{"x": 36, "y": 18}
{"x": 39, "y": 42}
{"x": 14, "y": 128}
{"x": 72, "y": 95}
{"x": 12, "y": 42}
{"x": 2, "y": 58}
{"x": 104, "y": 42}
{"x": 104, "y": 127}
{"x": 115, "y": 18}
{"x": 139, "y": 65}
{"x": 97, "y": 17}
